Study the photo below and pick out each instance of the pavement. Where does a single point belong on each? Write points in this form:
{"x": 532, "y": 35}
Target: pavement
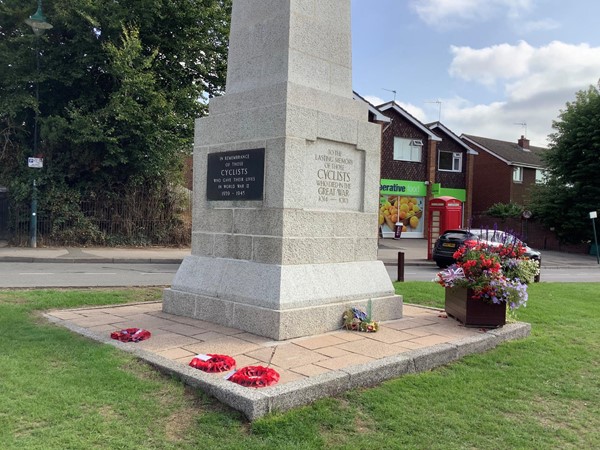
{"x": 414, "y": 251}
{"x": 310, "y": 368}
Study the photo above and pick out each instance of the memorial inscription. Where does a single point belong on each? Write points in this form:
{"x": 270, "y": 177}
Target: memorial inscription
{"x": 334, "y": 177}
{"x": 237, "y": 175}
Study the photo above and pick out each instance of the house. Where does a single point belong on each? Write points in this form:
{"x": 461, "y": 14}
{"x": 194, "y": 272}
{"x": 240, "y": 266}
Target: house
{"x": 375, "y": 116}
{"x": 504, "y": 171}
{"x": 455, "y": 163}
{"x": 411, "y": 174}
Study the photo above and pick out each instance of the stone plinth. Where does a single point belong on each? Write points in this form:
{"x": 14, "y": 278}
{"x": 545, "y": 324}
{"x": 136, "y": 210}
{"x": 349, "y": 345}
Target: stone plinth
{"x": 288, "y": 263}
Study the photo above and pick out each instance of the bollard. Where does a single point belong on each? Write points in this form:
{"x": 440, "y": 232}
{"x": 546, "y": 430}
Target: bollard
{"x": 400, "y": 266}
{"x": 536, "y": 279}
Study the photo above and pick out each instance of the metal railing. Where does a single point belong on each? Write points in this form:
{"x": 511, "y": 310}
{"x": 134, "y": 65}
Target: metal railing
{"x": 134, "y": 221}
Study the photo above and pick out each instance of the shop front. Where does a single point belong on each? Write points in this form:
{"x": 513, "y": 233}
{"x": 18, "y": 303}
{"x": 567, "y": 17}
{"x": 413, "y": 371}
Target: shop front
{"x": 403, "y": 202}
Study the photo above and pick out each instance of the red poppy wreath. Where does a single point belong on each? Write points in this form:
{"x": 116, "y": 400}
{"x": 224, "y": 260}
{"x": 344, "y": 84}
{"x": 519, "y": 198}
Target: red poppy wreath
{"x": 255, "y": 376}
{"x": 131, "y": 335}
{"x": 213, "y": 363}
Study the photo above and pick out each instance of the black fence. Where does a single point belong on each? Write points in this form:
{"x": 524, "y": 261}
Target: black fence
{"x": 135, "y": 220}
{"x": 3, "y": 213}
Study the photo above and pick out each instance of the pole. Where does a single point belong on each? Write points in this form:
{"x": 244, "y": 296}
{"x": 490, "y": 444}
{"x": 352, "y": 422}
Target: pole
{"x": 33, "y": 221}
{"x": 400, "y": 266}
{"x": 596, "y": 241}
{"x": 37, "y": 96}
{"x": 38, "y": 24}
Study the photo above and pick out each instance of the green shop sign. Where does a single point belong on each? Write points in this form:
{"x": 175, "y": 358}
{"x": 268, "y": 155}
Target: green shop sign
{"x": 402, "y": 187}
{"x": 438, "y": 191}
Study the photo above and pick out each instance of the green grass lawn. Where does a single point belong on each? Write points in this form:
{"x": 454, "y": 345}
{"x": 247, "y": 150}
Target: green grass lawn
{"x": 59, "y": 390}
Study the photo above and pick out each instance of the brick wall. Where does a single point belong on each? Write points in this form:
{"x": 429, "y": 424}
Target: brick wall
{"x": 402, "y": 170}
{"x": 531, "y": 231}
{"x": 492, "y": 182}
{"x": 454, "y": 180}
{"x": 520, "y": 191}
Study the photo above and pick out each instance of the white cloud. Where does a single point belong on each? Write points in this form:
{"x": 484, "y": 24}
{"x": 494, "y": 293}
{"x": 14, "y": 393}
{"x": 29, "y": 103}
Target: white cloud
{"x": 539, "y": 25}
{"x": 445, "y": 12}
{"x": 499, "y": 120}
{"x": 557, "y": 66}
{"x": 488, "y": 65}
{"x": 537, "y": 82}
{"x": 413, "y": 110}
{"x": 373, "y": 100}
{"x": 528, "y": 71}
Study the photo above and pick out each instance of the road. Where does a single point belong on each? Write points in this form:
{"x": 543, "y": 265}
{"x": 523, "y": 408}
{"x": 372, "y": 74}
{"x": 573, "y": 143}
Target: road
{"x": 562, "y": 274}
{"x": 28, "y": 275}
{"x": 38, "y": 275}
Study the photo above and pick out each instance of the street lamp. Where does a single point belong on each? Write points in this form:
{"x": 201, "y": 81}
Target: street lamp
{"x": 38, "y": 24}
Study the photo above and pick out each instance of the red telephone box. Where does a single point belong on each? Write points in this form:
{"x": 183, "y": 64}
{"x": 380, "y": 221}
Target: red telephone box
{"x": 445, "y": 213}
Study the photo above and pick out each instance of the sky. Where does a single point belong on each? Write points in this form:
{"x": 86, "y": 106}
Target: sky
{"x": 493, "y": 68}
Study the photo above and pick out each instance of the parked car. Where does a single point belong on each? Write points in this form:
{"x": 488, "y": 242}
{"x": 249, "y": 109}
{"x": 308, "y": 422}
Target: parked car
{"x": 452, "y": 240}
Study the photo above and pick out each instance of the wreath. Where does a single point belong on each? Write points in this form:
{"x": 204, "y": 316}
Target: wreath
{"x": 255, "y": 376}
{"x": 131, "y": 335}
{"x": 214, "y": 363}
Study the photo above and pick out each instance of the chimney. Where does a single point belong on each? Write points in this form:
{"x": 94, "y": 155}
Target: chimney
{"x": 524, "y": 143}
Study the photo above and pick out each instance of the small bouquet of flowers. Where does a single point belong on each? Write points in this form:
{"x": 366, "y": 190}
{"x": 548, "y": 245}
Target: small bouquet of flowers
{"x": 357, "y": 320}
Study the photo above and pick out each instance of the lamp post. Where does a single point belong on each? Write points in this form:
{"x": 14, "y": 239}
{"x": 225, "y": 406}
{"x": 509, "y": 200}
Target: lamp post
{"x": 38, "y": 24}
{"x": 593, "y": 216}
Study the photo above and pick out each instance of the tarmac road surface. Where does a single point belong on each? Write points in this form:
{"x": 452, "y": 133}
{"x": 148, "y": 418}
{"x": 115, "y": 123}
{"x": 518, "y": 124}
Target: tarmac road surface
{"x": 38, "y": 275}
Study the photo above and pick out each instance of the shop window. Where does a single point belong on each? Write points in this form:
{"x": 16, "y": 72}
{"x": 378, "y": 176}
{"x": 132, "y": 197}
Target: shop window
{"x": 450, "y": 161}
{"x": 518, "y": 174}
{"x": 407, "y": 149}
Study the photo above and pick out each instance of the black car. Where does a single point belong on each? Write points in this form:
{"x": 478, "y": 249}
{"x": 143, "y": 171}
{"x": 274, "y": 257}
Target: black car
{"x": 452, "y": 240}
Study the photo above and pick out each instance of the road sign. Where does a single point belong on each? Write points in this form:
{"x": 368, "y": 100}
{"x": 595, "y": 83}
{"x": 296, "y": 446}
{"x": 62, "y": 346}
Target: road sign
{"x": 36, "y": 163}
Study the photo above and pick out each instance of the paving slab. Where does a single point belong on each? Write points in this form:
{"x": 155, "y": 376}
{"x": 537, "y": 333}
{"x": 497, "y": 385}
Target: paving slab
{"x": 311, "y": 367}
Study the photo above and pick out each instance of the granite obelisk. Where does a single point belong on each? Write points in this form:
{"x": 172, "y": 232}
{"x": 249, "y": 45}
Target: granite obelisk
{"x": 286, "y": 179}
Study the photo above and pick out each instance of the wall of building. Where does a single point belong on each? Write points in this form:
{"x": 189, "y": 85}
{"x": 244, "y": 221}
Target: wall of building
{"x": 454, "y": 180}
{"x": 520, "y": 191}
{"x": 408, "y": 177}
{"x": 492, "y": 182}
{"x": 402, "y": 170}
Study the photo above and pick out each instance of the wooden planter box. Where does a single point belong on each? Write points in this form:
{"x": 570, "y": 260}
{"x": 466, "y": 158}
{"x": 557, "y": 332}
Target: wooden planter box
{"x": 473, "y": 313}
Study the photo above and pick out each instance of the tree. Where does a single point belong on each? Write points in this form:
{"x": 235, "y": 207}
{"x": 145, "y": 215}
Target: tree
{"x": 573, "y": 160}
{"x": 120, "y": 86}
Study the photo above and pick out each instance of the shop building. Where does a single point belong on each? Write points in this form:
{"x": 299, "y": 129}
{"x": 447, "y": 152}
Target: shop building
{"x": 419, "y": 162}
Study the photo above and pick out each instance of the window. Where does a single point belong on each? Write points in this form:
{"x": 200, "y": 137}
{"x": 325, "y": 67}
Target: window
{"x": 518, "y": 174}
{"x": 450, "y": 161}
{"x": 407, "y": 149}
{"x": 540, "y": 176}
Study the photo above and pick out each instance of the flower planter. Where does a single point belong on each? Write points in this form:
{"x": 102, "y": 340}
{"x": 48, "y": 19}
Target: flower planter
{"x": 461, "y": 305}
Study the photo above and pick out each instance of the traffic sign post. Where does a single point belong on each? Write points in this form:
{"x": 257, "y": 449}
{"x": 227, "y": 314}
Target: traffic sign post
{"x": 593, "y": 216}
{"x": 34, "y": 163}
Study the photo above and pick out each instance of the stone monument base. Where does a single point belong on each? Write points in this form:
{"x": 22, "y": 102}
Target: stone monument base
{"x": 279, "y": 302}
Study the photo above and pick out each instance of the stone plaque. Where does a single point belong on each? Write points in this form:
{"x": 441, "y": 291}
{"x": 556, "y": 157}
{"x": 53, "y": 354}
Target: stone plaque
{"x": 335, "y": 177}
{"x": 237, "y": 175}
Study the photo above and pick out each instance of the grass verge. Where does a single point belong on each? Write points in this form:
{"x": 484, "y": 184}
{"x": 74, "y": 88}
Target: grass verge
{"x": 59, "y": 390}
